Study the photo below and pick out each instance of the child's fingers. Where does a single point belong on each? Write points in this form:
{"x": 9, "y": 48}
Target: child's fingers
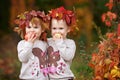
{"x": 31, "y": 37}
{"x": 34, "y": 37}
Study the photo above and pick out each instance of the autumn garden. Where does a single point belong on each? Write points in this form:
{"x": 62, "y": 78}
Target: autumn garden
{"x": 96, "y": 34}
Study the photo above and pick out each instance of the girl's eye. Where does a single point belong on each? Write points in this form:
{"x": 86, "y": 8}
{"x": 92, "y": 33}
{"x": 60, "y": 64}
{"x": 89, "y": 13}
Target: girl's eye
{"x": 28, "y": 27}
{"x": 61, "y": 28}
{"x": 36, "y": 27}
{"x": 54, "y": 28}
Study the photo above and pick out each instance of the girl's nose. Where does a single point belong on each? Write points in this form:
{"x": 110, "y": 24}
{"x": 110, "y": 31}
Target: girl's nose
{"x": 57, "y": 30}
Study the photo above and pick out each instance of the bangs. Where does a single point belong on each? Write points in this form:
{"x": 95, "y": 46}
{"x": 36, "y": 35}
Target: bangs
{"x": 35, "y": 21}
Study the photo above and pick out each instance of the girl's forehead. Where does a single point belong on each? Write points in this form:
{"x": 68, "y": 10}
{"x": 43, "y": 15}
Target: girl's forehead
{"x": 59, "y": 22}
{"x": 34, "y": 24}
{"x": 31, "y": 24}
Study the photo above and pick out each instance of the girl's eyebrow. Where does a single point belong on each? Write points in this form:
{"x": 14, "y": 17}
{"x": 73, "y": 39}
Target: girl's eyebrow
{"x": 61, "y": 27}
{"x": 34, "y": 25}
{"x": 54, "y": 27}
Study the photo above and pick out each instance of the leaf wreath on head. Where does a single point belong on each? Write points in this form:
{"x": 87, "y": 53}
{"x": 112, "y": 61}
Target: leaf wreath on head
{"x": 62, "y": 13}
{"x": 24, "y": 18}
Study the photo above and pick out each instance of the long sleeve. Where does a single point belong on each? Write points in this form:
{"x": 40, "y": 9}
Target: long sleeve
{"x": 24, "y": 51}
{"x": 67, "y": 49}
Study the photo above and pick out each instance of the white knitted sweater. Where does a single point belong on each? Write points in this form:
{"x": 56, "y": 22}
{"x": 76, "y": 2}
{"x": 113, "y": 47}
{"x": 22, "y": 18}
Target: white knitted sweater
{"x": 66, "y": 50}
{"x": 30, "y": 69}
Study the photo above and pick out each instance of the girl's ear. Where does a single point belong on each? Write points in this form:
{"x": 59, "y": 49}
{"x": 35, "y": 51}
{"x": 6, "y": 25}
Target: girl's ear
{"x": 43, "y": 30}
{"x": 68, "y": 30}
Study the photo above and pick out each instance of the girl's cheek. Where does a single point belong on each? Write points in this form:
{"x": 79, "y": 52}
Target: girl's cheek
{"x": 52, "y": 33}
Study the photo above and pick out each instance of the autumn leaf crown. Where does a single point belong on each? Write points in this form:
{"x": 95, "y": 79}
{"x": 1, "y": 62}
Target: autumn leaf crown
{"x": 62, "y": 13}
{"x": 24, "y": 18}
{"x": 59, "y": 13}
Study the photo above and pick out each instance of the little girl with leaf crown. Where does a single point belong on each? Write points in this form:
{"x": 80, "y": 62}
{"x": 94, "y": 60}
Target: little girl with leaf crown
{"x": 61, "y": 50}
{"x": 32, "y": 49}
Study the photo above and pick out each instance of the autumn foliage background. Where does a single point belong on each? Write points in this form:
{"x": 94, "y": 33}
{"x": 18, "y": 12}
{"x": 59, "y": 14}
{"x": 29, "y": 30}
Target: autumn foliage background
{"x": 89, "y": 30}
{"x": 105, "y": 62}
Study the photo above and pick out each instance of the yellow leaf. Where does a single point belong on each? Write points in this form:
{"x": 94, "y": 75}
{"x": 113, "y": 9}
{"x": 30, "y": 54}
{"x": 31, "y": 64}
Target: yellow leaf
{"x": 119, "y": 74}
{"x": 115, "y": 67}
{"x": 106, "y": 75}
{"x": 114, "y": 72}
{"x": 77, "y": 28}
{"x": 107, "y": 61}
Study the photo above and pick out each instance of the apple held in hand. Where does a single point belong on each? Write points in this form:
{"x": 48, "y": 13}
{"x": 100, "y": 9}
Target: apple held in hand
{"x": 29, "y": 35}
{"x": 26, "y": 37}
{"x": 58, "y": 35}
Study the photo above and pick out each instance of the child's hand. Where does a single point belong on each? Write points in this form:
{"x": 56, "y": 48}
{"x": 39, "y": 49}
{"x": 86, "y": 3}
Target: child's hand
{"x": 57, "y": 36}
{"x": 30, "y": 36}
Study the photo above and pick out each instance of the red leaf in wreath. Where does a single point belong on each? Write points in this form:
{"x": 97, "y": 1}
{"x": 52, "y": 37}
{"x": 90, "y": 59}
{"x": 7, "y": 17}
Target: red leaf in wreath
{"x": 67, "y": 18}
{"x": 33, "y": 13}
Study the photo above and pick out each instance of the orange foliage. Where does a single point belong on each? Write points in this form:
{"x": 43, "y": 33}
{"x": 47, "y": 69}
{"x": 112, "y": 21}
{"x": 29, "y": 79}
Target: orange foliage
{"x": 108, "y": 18}
{"x": 110, "y": 4}
{"x": 106, "y": 63}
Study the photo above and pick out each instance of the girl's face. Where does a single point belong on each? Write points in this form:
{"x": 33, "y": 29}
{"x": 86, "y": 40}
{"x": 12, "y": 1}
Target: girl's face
{"x": 34, "y": 29}
{"x": 59, "y": 27}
